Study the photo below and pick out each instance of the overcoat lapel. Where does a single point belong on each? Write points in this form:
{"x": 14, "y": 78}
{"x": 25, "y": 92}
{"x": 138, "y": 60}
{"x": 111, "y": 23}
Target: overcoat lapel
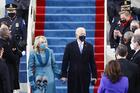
{"x": 84, "y": 48}
{"x": 77, "y": 50}
{"x": 135, "y": 55}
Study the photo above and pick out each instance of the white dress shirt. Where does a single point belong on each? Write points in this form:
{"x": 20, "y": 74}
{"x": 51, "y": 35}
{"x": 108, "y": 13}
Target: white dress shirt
{"x": 81, "y": 45}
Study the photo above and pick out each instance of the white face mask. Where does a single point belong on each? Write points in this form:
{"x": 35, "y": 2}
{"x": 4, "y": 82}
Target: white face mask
{"x": 132, "y": 47}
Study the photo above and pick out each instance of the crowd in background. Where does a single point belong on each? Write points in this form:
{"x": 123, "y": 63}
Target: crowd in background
{"x": 13, "y": 36}
{"x": 124, "y": 38}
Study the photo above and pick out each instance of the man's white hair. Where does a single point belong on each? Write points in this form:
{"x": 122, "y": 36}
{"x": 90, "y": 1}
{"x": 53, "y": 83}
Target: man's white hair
{"x": 128, "y": 35}
{"x": 79, "y": 29}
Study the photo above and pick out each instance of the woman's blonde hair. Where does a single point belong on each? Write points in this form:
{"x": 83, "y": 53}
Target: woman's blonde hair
{"x": 37, "y": 41}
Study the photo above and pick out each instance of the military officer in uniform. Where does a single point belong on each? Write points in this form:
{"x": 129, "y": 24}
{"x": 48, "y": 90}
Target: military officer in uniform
{"x": 22, "y": 9}
{"x": 17, "y": 27}
{"x": 120, "y": 26}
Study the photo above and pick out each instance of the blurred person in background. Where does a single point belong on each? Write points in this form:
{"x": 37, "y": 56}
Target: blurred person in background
{"x": 17, "y": 27}
{"x": 135, "y": 45}
{"x": 137, "y": 31}
{"x": 22, "y": 9}
{"x": 8, "y": 55}
{"x": 128, "y": 68}
{"x": 113, "y": 8}
{"x": 18, "y": 35}
{"x": 134, "y": 25}
{"x": 127, "y": 41}
{"x": 4, "y": 74}
{"x": 119, "y": 27}
{"x": 136, "y": 8}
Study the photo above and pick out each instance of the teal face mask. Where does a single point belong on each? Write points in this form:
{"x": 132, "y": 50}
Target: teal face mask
{"x": 42, "y": 46}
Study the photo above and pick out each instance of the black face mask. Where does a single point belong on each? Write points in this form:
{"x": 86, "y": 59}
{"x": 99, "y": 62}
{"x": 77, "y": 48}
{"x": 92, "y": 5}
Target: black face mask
{"x": 134, "y": 28}
{"x": 122, "y": 20}
{"x": 11, "y": 14}
{"x": 82, "y": 38}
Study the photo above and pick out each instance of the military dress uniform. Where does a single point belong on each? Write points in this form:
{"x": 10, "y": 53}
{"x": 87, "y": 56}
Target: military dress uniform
{"x": 22, "y": 9}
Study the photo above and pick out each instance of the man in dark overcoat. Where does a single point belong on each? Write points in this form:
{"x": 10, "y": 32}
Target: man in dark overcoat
{"x": 128, "y": 68}
{"x": 135, "y": 45}
{"x": 78, "y": 64}
{"x": 4, "y": 74}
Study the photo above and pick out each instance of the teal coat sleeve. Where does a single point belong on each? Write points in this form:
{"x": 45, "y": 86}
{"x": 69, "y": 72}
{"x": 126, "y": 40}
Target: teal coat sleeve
{"x": 55, "y": 68}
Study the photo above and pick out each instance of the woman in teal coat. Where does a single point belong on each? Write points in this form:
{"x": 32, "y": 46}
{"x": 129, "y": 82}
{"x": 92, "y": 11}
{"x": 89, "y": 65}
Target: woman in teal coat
{"x": 42, "y": 67}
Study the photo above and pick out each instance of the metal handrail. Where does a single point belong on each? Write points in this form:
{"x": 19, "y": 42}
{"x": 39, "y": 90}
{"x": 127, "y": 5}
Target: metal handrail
{"x": 30, "y": 32}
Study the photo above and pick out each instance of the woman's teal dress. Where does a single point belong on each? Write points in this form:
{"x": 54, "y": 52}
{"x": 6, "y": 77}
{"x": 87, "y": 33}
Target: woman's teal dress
{"x": 42, "y": 66}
